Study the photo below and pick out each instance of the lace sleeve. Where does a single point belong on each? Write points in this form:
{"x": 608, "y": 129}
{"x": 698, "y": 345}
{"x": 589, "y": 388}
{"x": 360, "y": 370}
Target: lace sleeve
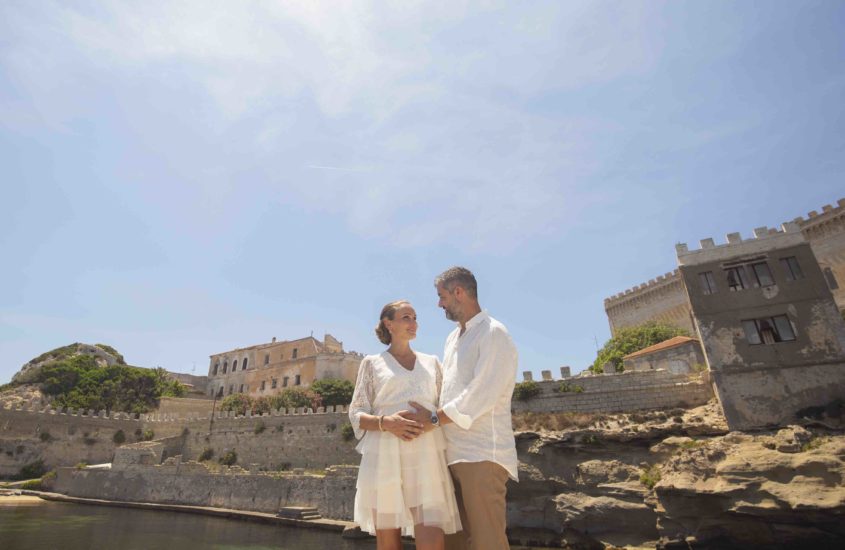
{"x": 362, "y": 397}
{"x": 438, "y": 380}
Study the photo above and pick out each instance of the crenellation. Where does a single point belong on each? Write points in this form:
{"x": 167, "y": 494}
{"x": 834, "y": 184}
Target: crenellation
{"x": 812, "y": 214}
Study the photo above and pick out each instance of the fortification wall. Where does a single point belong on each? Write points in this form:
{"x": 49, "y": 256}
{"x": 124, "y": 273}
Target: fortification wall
{"x": 175, "y": 482}
{"x": 299, "y": 438}
{"x": 626, "y": 391}
{"x": 183, "y": 406}
{"x": 662, "y": 299}
{"x": 58, "y": 439}
{"x": 275, "y": 441}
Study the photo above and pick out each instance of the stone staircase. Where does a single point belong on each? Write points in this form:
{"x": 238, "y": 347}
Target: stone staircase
{"x": 299, "y": 512}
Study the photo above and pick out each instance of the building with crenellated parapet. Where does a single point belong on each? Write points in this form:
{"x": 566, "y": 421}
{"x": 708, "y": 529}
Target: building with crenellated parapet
{"x": 267, "y": 369}
{"x": 773, "y": 336}
{"x": 664, "y": 298}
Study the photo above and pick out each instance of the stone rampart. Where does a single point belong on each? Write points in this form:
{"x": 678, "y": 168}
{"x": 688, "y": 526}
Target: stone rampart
{"x": 295, "y": 438}
{"x": 626, "y": 391}
{"x": 59, "y": 439}
{"x": 332, "y": 492}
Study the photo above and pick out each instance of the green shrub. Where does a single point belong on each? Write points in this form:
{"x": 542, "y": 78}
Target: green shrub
{"x": 259, "y": 427}
{"x": 237, "y": 402}
{"x": 566, "y": 387}
{"x": 47, "y": 480}
{"x": 149, "y": 435}
{"x": 333, "y": 391}
{"x": 119, "y": 437}
{"x": 630, "y": 339}
{"x": 32, "y": 485}
{"x": 524, "y": 391}
{"x": 45, "y": 436}
{"x": 292, "y": 398}
{"x": 207, "y": 454}
{"x": 650, "y": 476}
{"x": 81, "y": 465}
{"x": 80, "y": 382}
{"x": 347, "y": 432}
{"x": 229, "y": 459}
{"x": 32, "y": 470}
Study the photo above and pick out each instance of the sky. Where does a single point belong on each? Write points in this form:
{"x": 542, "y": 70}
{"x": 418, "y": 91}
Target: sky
{"x": 184, "y": 178}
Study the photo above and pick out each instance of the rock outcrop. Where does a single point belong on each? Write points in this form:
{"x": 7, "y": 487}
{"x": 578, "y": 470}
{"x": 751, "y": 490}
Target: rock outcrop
{"x": 103, "y": 354}
{"x": 679, "y": 479}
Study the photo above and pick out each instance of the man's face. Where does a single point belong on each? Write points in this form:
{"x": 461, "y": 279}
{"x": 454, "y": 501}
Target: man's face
{"x": 448, "y": 302}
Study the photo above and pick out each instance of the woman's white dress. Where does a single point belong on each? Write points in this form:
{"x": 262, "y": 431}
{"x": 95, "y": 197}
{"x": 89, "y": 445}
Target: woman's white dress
{"x": 401, "y": 483}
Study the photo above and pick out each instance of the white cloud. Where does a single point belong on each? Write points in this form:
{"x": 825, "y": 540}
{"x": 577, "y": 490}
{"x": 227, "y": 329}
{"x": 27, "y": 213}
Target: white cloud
{"x": 419, "y": 105}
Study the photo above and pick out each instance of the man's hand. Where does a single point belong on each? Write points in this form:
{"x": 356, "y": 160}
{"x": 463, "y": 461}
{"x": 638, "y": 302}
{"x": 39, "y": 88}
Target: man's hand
{"x": 421, "y": 416}
{"x": 403, "y": 427}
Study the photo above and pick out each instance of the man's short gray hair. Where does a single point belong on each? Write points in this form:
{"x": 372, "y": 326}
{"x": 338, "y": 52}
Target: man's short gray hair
{"x": 458, "y": 276}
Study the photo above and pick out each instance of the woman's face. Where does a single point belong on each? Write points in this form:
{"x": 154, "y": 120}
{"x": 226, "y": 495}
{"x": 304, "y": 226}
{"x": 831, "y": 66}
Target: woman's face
{"x": 403, "y": 326}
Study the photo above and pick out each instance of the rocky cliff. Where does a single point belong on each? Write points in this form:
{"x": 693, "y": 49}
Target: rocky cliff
{"x": 679, "y": 479}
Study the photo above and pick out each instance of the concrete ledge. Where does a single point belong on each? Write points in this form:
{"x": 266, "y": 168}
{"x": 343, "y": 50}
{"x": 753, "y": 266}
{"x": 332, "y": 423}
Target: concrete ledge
{"x": 260, "y": 517}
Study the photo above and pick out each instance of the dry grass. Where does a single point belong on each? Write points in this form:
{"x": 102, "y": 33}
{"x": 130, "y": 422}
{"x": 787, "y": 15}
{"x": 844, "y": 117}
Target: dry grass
{"x": 531, "y": 421}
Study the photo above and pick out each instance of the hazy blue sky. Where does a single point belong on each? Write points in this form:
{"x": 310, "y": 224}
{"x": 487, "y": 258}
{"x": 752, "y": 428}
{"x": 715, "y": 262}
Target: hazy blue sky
{"x": 183, "y": 178}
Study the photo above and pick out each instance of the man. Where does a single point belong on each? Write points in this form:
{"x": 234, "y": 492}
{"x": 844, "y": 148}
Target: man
{"x": 479, "y": 372}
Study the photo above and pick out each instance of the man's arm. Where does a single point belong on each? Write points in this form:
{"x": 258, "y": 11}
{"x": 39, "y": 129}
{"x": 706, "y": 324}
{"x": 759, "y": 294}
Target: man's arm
{"x": 493, "y": 373}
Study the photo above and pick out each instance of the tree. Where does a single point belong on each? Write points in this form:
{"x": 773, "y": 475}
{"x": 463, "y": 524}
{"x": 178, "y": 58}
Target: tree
{"x": 238, "y": 402}
{"x": 630, "y": 339}
{"x": 293, "y": 398}
{"x": 334, "y": 391}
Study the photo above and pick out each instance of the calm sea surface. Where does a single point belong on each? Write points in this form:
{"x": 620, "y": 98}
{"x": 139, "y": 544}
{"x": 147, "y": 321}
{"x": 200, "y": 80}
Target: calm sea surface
{"x": 65, "y": 526}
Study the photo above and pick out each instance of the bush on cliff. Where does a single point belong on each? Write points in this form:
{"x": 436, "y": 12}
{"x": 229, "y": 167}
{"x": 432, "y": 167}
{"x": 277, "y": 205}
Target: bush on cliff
{"x": 79, "y": 382}
{"x": 333, "y": 391}
{"x": 630, "y": 339}
{"x": 32, "y": 470}
{"x": 524, "y": 391}
{"x": 229, "y": 459}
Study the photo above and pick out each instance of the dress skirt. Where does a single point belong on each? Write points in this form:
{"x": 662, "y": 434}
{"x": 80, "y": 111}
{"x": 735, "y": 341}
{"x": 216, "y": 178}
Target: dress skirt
{"x": 404, "y": 483}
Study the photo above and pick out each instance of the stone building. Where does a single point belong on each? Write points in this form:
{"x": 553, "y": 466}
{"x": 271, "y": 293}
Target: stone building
{"x": 267, "y": 369}
{"x": 664, "y": 299}
{"x": 773, "y": 336}
{"x": 678, "y": 355}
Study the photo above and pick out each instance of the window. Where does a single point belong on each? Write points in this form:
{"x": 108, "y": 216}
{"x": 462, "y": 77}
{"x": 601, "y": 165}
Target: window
{"x": 792, "y": 269}
{"x": 274, "y": 383}
{"x": 737, "y": 278}
{"x": 296, "y": 380}
{"x": 220, "y": 391}
{"x": 285, "y": 381}
{"x": 708, "y": 282}
{"x": 246, "y": 360}
{"x": 768, "y": 330}
{"x": 231, "y": 388}
{"x": 263, "y": 383}
{"x": 214, "y": 373}
{"x": 235, "y": 365}
{"x": 762, "y": 274}
{"x": 831, "y": 278}
{"x": 293, "y": 355}
{"x": 225, "y": 366}
{"x": 242, "y": 389}
{"x": 267, "y": 359}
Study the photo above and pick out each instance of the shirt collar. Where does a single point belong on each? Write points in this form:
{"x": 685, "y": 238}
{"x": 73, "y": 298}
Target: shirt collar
{"x": 477, "y": 319}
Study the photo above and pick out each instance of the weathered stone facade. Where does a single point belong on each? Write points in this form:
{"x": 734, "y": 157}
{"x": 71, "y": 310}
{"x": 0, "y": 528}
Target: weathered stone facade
{"x": 773, "y": 336}
{"x": 267, "y": 369}
{"x": 664, "y": 299}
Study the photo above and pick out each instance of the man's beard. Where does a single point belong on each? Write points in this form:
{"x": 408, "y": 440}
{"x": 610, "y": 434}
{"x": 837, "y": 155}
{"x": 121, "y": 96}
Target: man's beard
{"x": 449, "y": 314}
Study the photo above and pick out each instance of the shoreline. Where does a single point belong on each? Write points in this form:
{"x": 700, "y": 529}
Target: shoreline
{"x": 259, "y": 517}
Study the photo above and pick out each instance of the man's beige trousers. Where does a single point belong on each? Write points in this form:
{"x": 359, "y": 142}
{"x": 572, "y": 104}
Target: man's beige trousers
{"x": 480, "y": 492}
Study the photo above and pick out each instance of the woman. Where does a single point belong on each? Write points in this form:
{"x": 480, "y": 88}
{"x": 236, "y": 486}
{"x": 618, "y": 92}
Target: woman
{"x": 404, "y": 487}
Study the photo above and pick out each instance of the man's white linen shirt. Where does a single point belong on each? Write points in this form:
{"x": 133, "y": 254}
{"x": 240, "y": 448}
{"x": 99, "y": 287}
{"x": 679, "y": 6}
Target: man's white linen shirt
{"x": 479, "y": 372}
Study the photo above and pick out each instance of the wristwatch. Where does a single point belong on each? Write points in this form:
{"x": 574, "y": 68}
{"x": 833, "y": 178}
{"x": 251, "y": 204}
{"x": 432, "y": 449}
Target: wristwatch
{"x": 434, "y": 420}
